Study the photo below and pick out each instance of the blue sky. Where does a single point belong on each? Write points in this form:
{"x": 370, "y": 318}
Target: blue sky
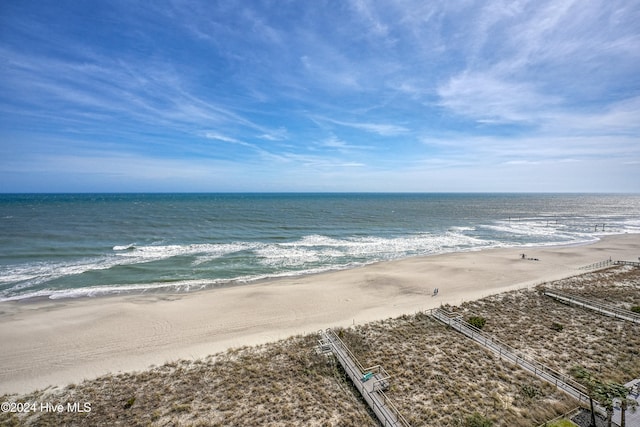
{"x": 320, "y": 96}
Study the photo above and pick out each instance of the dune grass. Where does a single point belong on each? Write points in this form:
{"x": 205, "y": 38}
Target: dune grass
{"x": 561, "y": 335}
{"x": 440, "y": 378}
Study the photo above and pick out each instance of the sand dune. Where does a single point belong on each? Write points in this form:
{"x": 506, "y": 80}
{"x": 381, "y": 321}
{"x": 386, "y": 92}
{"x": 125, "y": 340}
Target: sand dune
{"x": 59, "y": 342}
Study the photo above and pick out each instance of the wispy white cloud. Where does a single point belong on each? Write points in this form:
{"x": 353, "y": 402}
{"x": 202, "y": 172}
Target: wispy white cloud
{"x": 532, "y": 149}
{"x": 125, "y": 97}
{"x": 532, "y": 61}
{"x": 220, "y": 137}
{"x": 486, "y": 98}
{"x": 612, "y": 119}
{"x": 369, "y": 15}
{"x": 333, "y": 142}
{"x": 330, "y": 71}
{"x": 279, "y": 134}
{"x": 393, "y": 91}
{"x": 382, "y": 129}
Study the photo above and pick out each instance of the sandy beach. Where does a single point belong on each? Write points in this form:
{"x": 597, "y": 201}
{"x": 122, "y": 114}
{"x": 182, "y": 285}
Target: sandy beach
{"x": 56, "y": 342}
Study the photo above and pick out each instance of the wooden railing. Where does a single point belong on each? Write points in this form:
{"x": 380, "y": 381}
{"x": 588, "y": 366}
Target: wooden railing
{"x": 602, "y": 308}
{"x": 370, "y": 382}
{"x": 504, "y": 351}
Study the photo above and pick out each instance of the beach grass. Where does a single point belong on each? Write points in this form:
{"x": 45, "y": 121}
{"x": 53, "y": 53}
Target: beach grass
{"x": 439, "y": 377}
{"x": 561, "y": 423}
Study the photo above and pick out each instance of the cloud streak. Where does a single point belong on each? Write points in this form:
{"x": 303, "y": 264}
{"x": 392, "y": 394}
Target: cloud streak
{"x": 266, "y": 94}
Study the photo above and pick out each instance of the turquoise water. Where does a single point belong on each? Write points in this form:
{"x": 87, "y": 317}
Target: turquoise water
{"x": 68, "y": 245}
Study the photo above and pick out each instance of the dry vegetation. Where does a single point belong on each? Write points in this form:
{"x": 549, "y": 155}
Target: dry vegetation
{"x": 562, "y": 336}
{"x": 284, "y": 383}
{"x": 439, "y": 377}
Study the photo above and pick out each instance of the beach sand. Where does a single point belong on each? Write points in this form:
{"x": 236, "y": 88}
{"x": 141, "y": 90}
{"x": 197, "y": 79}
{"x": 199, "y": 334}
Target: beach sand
{"x": 65, "y": 341}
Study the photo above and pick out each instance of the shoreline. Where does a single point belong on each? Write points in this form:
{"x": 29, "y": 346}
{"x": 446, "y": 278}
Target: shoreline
{"x": 167, "y": 289}
{"x": 62, "y": 341}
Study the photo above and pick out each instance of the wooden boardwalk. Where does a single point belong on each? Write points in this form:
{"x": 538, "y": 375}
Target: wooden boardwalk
{"x": 631, "y": 263}
{"x": 598, "y": 265}
{"x": 602, "y": 308}
{"x": 608, "y": 263}
{"x": 370, "y": 382}
{"x": 504, "y": 351}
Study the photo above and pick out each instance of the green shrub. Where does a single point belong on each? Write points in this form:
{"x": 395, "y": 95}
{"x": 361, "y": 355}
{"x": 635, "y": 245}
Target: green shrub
{"x": 530, "y": 391}
{"x": 477, "y": 321}
{"x": 636, "y": 308}
{"x": 130, "y": 403}
{"x": 557, "y": 327}
{"x": 477, "y": 420}
{"x": 561, "y": 423}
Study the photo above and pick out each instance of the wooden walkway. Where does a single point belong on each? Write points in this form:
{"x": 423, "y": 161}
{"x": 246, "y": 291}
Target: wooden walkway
{"x": 598, "y": 265}
{"x": 370, "y": 382}
{"x": 631, "y": 263}
{"x": 504, "y": 351}
{"x": 608, "y": 263}
{"x": 602, "y": 308}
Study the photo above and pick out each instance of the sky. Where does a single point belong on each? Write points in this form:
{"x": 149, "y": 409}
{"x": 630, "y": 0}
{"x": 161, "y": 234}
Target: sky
{"x": 320, "y": 96}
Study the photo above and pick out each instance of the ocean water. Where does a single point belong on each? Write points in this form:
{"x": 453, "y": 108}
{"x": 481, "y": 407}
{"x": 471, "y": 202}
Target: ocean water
{"x": 70, "y": 245}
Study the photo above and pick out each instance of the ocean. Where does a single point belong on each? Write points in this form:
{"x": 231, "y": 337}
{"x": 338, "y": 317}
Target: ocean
{"x": 74, "y": 245}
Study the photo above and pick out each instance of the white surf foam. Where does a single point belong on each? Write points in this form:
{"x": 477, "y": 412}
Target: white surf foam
{"x": 95, "y": 291}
